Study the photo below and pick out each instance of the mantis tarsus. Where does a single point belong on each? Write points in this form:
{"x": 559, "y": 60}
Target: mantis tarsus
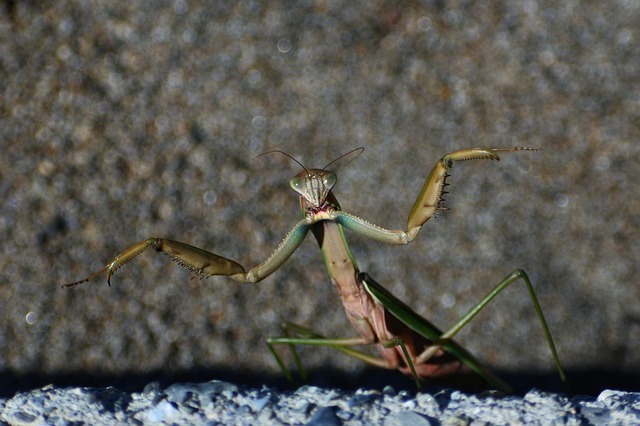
{"x": 404, "y": 339}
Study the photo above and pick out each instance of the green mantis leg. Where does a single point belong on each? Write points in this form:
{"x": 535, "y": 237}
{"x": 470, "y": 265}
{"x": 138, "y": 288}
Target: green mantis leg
{"x": 444, "y": 340}
{"x": 344, "y": 345}
{"x": 419, "y": 325}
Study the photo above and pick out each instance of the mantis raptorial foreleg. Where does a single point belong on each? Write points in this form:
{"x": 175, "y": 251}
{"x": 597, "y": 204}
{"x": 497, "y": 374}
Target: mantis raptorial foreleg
{"x": 203, "y": 263}
{"x": 429, "y": 201}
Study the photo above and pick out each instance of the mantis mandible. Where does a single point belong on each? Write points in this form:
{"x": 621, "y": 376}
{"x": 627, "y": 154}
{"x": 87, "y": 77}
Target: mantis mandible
{"x": 404, "y": 340}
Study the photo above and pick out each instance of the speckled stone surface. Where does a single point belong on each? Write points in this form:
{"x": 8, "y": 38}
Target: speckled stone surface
{"x": 218, "y": 402}
{"x": 125, "y": 120}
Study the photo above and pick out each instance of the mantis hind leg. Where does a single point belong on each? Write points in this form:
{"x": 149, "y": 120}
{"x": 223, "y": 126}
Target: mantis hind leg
{"x": 344, "y": 345}
{"x": 444, "y": 341}
{"x": 517, "y": 275}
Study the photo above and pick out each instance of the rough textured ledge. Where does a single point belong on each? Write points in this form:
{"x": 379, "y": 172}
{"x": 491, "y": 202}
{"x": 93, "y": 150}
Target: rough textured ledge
{"x": 124, "y": 120}
{"x": 221, "y": 402}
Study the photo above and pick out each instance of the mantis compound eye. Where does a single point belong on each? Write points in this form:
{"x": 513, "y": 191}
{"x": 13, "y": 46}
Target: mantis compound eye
{"x": 297, "y": 184}
{"x": 329, "y": 180}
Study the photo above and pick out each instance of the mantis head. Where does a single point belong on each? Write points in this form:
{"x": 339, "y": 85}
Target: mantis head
{"x": 314, "y": 185}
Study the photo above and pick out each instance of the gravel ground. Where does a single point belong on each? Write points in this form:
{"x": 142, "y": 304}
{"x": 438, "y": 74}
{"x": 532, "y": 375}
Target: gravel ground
{"x": 125, "y": 120}
{"x": 224, "y": 403}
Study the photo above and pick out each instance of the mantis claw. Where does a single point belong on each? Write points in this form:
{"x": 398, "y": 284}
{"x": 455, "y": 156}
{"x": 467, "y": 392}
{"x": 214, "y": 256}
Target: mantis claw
{"x": 430, "y": 200}
{"x": 203, "y": 263}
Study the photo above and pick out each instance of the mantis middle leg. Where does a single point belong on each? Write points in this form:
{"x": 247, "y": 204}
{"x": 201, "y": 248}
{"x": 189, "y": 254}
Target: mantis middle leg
{"x": 417, "y": 324}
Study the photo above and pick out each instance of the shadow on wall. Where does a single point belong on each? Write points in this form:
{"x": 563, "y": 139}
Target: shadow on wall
{"x": 584, "y": 382}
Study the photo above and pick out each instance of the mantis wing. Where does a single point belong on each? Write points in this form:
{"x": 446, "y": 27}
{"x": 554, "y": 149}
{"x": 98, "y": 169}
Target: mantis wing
{"x": 429, "y": 331}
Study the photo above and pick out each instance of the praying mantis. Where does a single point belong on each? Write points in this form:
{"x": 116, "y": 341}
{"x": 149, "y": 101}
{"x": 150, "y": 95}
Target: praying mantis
{"x": 403, "y": 339}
